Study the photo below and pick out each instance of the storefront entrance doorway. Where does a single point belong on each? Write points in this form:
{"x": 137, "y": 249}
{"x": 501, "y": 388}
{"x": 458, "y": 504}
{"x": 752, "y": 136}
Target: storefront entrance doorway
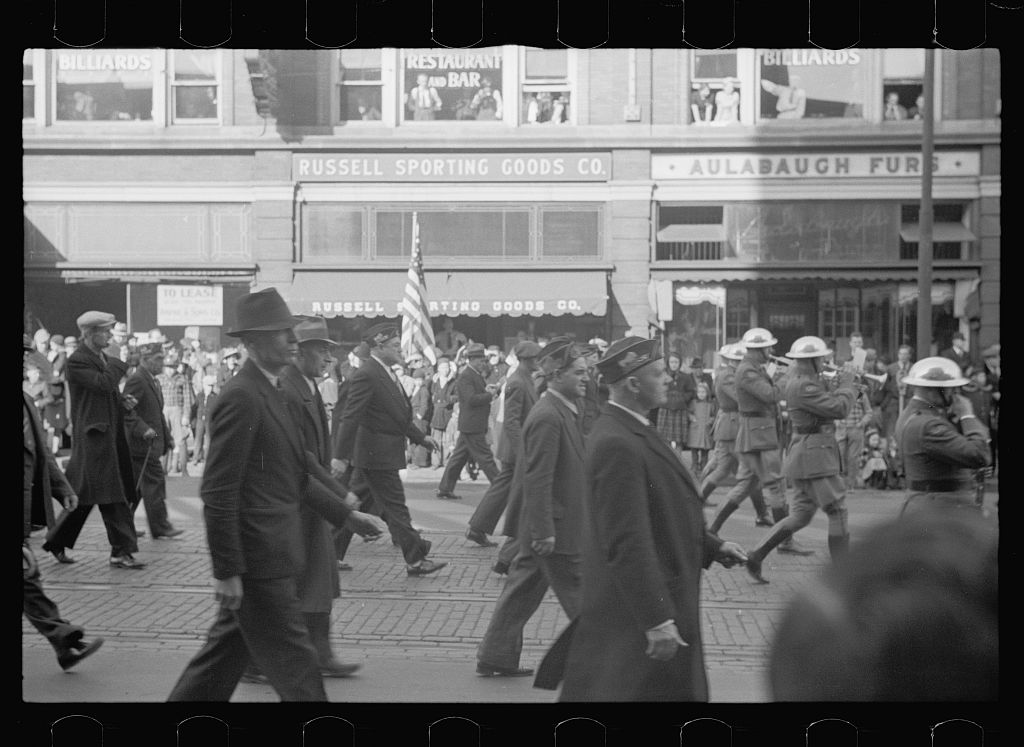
{"x": 788, "y": 312}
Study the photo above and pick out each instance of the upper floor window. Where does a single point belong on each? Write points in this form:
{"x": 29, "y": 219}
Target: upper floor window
{"x": 812, "y": 83}
{"x": 902, "y": 84}
{"x": 950, "y": 234}
{"x": 359, "y": 85}
{"x": 714, "y": 87}
{"x": 442, "y": 84}
{"x": 28, "y": 85}
{"x": 194, "y": 85}
{"x": 113, "y": 85}
{"x": 547, "y": 87}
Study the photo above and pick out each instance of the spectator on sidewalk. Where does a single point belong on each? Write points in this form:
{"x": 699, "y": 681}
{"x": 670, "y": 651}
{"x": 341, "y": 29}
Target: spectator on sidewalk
{"x": 178, "y": 399}
{"x": 200, "y": 418}
{"x": 443, "y": 398}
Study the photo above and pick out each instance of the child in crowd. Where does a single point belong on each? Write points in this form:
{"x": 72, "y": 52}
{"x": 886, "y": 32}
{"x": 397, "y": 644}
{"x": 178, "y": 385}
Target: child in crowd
{"x": 874, "y": 468}
{"x": 701, "y": 418}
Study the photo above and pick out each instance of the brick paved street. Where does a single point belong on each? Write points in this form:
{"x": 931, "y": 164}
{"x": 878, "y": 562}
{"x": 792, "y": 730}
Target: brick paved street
{"x": 391, "y": 623}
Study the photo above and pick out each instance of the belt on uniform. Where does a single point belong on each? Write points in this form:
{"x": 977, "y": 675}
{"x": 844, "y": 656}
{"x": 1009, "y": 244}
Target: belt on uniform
{"x": 823, "y": 428}
{"x": 939, "y": 486}
{"x": 755, "y": 414}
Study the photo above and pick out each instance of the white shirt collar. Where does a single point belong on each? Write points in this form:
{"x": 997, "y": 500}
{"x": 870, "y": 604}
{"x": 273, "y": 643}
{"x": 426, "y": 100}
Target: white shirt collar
{"x": 636, "y": 415}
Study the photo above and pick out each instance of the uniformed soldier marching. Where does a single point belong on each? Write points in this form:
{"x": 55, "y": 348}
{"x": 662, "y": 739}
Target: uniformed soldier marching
{"x": 812, "y": 462}
{"x": 757, "y": 439}
{"x": 940, "y": 438}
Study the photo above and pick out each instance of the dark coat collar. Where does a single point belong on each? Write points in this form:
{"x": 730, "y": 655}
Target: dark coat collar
{"x": 650, "y": 435}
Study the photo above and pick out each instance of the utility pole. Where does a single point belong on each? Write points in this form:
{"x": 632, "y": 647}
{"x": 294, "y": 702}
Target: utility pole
{"x": 924, "y": 218}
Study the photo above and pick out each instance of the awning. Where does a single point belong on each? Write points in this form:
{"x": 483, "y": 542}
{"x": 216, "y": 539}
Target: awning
{"x": 209, "y": 273}
{"x": 677, "y": 233}
{"x": 353, "y": 294}
{"x": 877, "y": 274}
{"x": 941, "y": 232}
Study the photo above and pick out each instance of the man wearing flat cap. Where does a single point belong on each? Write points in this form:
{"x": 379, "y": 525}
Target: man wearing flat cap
{"x": 149, "y": 439}
{"x": 100, "y": 467}
{"x": 258, "y": 472}
{"x": 475, "y": 397}
{"x": 638, "y": 634}
{"x": 375, "y": 424}
{"x": 520, "y": 396}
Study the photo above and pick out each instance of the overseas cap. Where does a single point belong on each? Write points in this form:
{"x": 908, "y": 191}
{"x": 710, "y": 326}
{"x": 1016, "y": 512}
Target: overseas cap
{"x": 475, "y": 350}
{"x": 626, "y": 356}
{"x": 378, "y": 334}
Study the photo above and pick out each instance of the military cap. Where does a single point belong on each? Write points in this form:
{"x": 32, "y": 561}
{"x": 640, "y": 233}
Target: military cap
{"x": 378, "y": 334}
{"x": 151, "y": 348}
{"x": 626, "y": 356}
{"x": 559, "y": 351}
{"x": 475, "y": 350}
{"x": 313, "y": 329}
{"x": 262, "y": 311}
{"x": 526, "y": 349}
{"x": 92, "y": 319}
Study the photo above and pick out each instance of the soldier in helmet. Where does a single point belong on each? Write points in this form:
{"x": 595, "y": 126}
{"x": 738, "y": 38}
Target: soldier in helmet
{"x": 940, "y": 438}
{"x": 812, "y": 463}
{"x": 757, "y": 438}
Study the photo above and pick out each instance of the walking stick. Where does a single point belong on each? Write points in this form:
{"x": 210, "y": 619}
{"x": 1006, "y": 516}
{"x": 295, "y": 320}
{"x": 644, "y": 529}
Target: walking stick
{"x": 142, "y": 471}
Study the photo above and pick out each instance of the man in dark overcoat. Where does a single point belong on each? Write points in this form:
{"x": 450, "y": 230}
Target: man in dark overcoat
{"x": 372, "y": 438}
{"x": 100, "y": 467}
{"x": 638, "y": 635}
{"x": 257, "y": 474}
{"x": 149, "y": 439}
{"x": 520, "y": 396}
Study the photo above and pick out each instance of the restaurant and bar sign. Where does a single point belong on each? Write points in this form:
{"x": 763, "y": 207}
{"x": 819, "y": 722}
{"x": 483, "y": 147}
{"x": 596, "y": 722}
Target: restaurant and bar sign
{"x": 804, "y": 165}
{"x": 452, "y": 167}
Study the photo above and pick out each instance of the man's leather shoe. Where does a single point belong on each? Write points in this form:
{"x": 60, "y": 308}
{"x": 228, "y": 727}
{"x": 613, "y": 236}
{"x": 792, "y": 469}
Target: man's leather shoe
{"x": 764, "y": 521}
{"x": 448, "y": 496}
{"x": 126, "y": 561}
{"x": 335, "y": 668}
{"x": 72, "y": 656}
{"x": 425, "y": 567}
{"x": 63, "y": 557}
{"x": 170, "y": 534}
{"x": 790, "y": 547}
{"x": 753, "y": 566}
{"x": 140, "y": 533}
{"x": 500, "y": 567}
{"x": 255, "y": 678}
{"x": 475, "y": 535}
{"x": 489, "y": 670}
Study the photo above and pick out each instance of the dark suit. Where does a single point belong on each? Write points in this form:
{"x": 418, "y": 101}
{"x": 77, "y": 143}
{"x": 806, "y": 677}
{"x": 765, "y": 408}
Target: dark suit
{"x": 520, "y": 396}
{"x": 201, "y": 423}
{"x": 100, "y": 468}
{"x": 550, "y": 477}
{"x": 257, "y": 473}
{"x": 374, "y": 427}
{"x": 474, "y": 414}
{"x": 644, "y": 545}
{"x": 962, "y": 359}
{"x": 146, "y": 463}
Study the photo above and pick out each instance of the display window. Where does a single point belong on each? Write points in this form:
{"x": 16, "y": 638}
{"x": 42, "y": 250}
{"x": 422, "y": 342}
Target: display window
{"x": 195, "y": 85}
{"x": 447, "y": 85}
{"x": 812, "y": 83}
{"x": 547, "y": 88}
{"x": 902, "y": 84}
{"x": 109, "y": 85}
{"x": 360, "y": 85}
{"x": 715, "y": 90}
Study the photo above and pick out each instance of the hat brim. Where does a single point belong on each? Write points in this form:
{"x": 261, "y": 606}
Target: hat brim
{"x": 328, "y": 340}
{"x": 274, "y": 327}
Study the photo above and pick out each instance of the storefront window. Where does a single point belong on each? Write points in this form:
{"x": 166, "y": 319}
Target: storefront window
{"x": 331, "y": 231}
{"x": 546, "y": 87}
{"x": 105, "y": 85}
{"x": 28, "y": 86}
{"x": 826, "y": 230}
{"x": 879, "y": 318}
{"x": 838, "y": 316}
{"x": 690, "y": 232}
{"x": 455, "y": 233}
{"x": 452, "y": 85}
{"x": 714, "y": 87}
{"x": 360, "y": 84}
{"x": 570, "y": 233}
{"x": 812, "y": 83}
{"x": 950, "y": 237}
{"x": 194, "y": 84}
{"x": 902, "y": 83}
{"x": 737, "y": 313}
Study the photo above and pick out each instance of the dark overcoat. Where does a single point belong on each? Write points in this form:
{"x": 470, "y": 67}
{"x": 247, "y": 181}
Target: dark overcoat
{"x": 474, "y": 401}
{"x": 44, "y": 481}
{"x": 148, "y": 413}
{"x": 644, "y": 545}
{"x": 100, "y": 467}
{"x": 520, "y": 397}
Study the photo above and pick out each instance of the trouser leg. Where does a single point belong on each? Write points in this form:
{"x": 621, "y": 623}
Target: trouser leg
{"x": 508, "y": 551}
{"x": 154, "y": 494}
{"x": 727, "y": 510}
{"x": 66, "y": 528}
{"x": 564, "y": 576}
{"x": 522, "y": 594}
{"x": 43, "y": 613}
{"x": 386, "y": 488}
{"x": 117, "y": 519}
{"x": 492, "y": 505}
{"x": 319, "y": 625}
{"x": 452, "y": 470}
{"x": 482, "y": 454}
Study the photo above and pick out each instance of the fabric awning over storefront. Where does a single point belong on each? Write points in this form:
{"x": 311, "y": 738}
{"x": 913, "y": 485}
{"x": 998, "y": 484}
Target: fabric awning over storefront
{"x": 877, "y": 274}
{"x": 455, "y": 293}
{"x": 941, "y": 232}
{"x": 209, "y": 273}
{"x": 677, "y": 233}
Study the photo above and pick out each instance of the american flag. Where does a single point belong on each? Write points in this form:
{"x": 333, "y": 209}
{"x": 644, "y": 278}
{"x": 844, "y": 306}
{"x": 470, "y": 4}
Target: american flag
{"x": 417, "y": 334}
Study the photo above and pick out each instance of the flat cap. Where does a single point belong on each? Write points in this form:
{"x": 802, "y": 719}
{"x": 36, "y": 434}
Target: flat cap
{"x": 313, "y": 329}
{"x": 95, "y": 319}
{"x": 626, "y": 356}
{"x": 526, "y": 349}
{"x": 151, "y": 348}
{"x": 380, "y": 333}
{"x": 475, "y": 350}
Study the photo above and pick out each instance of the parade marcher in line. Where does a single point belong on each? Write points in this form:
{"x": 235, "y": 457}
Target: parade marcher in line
{"x": 256, "y": 477}
{"x": 100, "y": 467}
{"x": 149, "y": 439}
{"x": 442, "y": 396}
{"x": 374, "y": 427}
{"x": 342, "y": 471}
{"x": 757, "y": 438}
{"x": 550, "y": 479}
{"x": 941, "y": 440}
{"x": 43, "y": 483}
{"x": 520, "y": 396}
{"x": 596, "y": 394}
{"x": 813, "y": 459}
{"x": 726, "y": 461}
{"x": 475, "y": 397}
{"x": 638, "y": 634}
{"x": 912, "y": 614}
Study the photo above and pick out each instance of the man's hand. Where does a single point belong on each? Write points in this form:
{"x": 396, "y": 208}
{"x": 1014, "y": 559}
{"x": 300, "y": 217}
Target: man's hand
{"x": 543, "y": 547}
{"x": 228, "y": 591}
{"x": 730, "y": 553}
{"x": 351, "y": 500}
{"x": 70, "y": 502}
{"x": 149, "y": 435}
{"x": 961, "y": 406}
{"x": 662, "y": 642}
{"x": 338, "y": 468}
{"x": 366, "y": 525}
{"x": 430, "y": 443}
{"x": 128, "y": 401}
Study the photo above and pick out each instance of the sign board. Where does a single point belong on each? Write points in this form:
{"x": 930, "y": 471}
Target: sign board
{"x": 452, "y": 167}
{"x": 812, "y": 165}
{"x": 188, "y": 305}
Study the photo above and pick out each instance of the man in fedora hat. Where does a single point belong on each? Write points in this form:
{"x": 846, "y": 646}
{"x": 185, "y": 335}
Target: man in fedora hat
{"x": 258, "y": 472}
{"x": 376, "y": 422}
{"x": 100, "y": 467}
{"x": 475, "y": 397}
{"x": 149, "y": 439}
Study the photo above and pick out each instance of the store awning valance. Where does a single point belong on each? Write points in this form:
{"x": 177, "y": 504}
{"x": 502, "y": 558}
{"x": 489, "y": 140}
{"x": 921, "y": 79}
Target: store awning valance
{"x": 941, "y": 232}
{"x": 679, "y": 233}
{"x": 869, "y": 274}
{"x": 209, "y": 273}
{"x": 355, "y": 294}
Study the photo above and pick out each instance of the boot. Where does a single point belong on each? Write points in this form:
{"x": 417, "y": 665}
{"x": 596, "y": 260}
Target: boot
{"x": 838, "y": 546}
{"x": 755, "y": 557}
{"x": 763, "y": 518}
{"x": 706, "y": 490}
{"x": 723, "y": 513}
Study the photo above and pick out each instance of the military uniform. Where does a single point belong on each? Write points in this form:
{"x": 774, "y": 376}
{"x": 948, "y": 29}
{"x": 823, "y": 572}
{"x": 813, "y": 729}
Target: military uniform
{"x": 939, "y": 457}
